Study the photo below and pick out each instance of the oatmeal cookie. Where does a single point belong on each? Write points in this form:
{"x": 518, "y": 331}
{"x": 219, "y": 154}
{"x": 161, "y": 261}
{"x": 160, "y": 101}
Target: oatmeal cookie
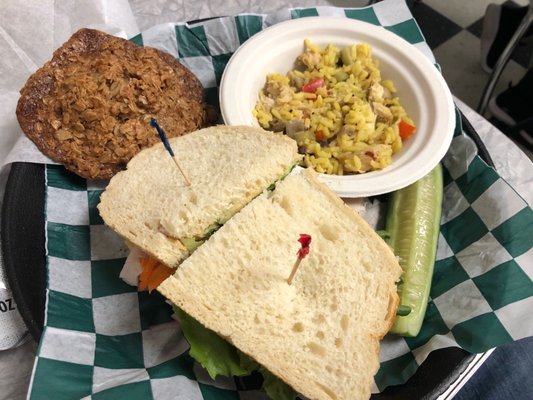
{"x": 89, "y": 107}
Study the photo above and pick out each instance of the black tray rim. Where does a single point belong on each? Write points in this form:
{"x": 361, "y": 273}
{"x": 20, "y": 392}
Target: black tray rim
{"x": 23, "y": 242}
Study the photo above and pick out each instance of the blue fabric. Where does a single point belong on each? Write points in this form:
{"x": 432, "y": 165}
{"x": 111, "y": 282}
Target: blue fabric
{"x": 506, "y": 374}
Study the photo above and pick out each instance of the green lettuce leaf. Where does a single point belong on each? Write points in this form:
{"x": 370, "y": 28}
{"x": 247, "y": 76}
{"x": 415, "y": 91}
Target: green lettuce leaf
{"x": 215, "y": 354}
{"x": 219, "y": 357}
{"x": 275, "y": 388}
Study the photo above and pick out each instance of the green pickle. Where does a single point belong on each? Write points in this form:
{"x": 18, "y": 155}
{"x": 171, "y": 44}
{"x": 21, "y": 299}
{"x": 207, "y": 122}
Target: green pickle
{"x": 412, "y": 226}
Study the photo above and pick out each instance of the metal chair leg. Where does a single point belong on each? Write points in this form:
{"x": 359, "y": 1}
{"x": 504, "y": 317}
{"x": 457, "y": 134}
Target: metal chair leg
{"x": 504, "y": 58}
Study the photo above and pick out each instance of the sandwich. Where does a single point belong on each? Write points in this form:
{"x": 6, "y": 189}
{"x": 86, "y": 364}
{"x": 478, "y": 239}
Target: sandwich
{"x": 150, "y": 205}
{"x": 318, "y": 335}
{"x": 89, "y": 107}
{"x": 321, "y": 333}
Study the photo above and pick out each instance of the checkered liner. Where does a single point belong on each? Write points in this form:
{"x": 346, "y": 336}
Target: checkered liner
{"x": 103, "y": 339}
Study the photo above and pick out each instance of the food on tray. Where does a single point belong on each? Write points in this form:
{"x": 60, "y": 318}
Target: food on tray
{"x": 89, "y": 107}
{"x": 335, "y": 104}
{"x": 412, "y": 227}
{"x": 321, "y": 333}
{"x": 150, "y": 205}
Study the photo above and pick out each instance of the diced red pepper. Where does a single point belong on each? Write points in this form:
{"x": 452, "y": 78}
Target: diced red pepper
{"x": 370, "y": 154}
{"x": 313, "y": 85}
{"x": 406, "y": 130}
{"x": 319, "y": 135}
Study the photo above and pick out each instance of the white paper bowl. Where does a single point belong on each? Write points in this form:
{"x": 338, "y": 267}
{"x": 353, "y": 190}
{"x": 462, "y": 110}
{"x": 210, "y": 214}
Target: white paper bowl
{"x": 420, "y": 86}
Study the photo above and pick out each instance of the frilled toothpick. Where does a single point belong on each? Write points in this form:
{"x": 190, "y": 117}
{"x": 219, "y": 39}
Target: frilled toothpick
{"x": 305, "y": 242}
{"x": 164, "y": 139}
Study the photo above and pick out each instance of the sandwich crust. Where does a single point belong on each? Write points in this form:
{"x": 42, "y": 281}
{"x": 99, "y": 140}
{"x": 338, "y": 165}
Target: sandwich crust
{"x": 89, "y": 107}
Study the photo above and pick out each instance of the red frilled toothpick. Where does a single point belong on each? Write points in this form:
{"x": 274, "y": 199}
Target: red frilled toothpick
{"x": 305, "y": 242}
{"x": 166, "y": 143}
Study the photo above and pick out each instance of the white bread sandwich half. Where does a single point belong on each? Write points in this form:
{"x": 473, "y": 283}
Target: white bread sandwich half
{"x": 150, "y": 205}
{"x": 321, "y": 334}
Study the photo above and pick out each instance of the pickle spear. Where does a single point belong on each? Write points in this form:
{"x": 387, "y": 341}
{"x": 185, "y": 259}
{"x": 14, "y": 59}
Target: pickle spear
{"x": 412, "y": 227}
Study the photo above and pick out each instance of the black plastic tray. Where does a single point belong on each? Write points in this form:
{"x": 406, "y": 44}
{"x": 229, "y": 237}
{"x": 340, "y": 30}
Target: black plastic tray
{"x": 23, "y": 242}
{"x": 23, "y": 248}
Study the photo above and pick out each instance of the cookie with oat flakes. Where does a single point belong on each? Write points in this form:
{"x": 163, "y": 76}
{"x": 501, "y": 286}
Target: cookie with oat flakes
{"x": 89, "y": 107}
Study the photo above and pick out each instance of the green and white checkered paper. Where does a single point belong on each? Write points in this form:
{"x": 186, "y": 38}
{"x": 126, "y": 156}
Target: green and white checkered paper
{"x": 104, "y": 340}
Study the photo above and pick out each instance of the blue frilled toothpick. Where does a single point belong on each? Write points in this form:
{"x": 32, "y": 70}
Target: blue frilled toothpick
{"x": 164, "y": 139}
